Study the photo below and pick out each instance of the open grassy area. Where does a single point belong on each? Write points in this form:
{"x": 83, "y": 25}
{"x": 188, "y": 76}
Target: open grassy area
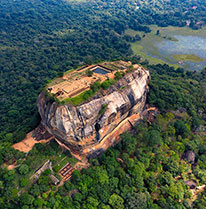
{"x": 77, "y": 100}
{"x": 187, "y": 57}
{"x": 138, "y": 50}
{"x": 147, "y": 45}
{"x": 84, "y": 96}
{"x": 180, "y": 31}
{"x": 133, "y": 33}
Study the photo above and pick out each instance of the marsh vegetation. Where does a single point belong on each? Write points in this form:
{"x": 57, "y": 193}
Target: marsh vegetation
{"x": 181, "y": 47}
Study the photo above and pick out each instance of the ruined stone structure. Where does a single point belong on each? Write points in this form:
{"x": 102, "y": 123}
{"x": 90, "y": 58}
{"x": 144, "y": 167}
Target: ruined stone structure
{"x": 86, "y": 132}
{"x": 39, "y": 171}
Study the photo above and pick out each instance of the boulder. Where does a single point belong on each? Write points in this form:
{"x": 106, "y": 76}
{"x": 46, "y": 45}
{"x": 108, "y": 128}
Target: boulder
{"x": 190, "y": 156}
{"x": 81, "y": 127}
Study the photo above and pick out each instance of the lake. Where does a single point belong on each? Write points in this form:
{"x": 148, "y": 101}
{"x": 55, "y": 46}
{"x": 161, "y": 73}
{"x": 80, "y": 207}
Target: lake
{"x": 179, "y": 47}
{"x": 195, "y": 45}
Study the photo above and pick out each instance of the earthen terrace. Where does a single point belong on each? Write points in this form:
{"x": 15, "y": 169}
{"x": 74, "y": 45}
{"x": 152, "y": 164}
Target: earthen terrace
{"x": 74, "y": 82}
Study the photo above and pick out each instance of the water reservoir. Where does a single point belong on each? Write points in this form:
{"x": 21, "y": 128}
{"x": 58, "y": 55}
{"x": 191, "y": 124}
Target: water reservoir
{"x": 100, "y": 71}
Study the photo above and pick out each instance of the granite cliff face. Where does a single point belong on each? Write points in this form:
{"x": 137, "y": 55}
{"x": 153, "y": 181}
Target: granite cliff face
{"x": 83, "y": 128}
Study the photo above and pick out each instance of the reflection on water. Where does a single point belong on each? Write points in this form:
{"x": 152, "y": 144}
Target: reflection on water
{"x": 185, "y": 45}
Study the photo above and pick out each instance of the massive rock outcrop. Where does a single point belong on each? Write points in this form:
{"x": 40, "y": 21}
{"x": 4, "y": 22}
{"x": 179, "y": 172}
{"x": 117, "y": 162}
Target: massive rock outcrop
{"x": 83, "y": 128}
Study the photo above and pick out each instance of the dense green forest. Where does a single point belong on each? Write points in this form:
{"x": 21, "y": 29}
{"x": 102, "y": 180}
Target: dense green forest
{"x": 148, "y": 168}
{"x": 38, "y": 39}
{"x": 41, "y": 38}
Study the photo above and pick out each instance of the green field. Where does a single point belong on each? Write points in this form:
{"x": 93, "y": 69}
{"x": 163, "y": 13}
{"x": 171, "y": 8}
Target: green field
{"x": 187, "y": 57}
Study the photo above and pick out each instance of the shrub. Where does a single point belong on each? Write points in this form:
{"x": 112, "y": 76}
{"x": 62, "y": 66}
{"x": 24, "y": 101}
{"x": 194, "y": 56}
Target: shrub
{"x": 102, "y": 110}
{"x": 153, "y": 137}
{"x": 95, "y": 86}
{"x": 106, "y": 84}
{"x": 89, "y": 73}
{"x": 60, "y": 74}
{"x": 23, "y": 169}
{"x": 118, "y": 75}
{"x": 181, "y": 128}
{"x": 24, "y": 182}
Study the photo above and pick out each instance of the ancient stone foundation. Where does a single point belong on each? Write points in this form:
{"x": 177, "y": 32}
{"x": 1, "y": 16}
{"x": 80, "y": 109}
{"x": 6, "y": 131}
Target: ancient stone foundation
{"x": 86, "y": 132}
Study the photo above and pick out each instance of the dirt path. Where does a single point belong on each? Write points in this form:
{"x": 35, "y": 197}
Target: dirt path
{"x": 12, "y": 166}
{"x": 27, "y": 144}
{"x": 81, "y": 165}
{"x": 196, "y": 191}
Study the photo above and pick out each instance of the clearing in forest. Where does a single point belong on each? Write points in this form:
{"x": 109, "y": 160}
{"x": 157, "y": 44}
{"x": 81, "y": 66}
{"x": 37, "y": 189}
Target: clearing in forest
{"x": 27, "y": 144}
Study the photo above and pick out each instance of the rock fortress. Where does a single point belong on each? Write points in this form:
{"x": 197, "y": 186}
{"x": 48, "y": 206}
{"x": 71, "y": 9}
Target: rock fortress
{"x": 87, "y": 109}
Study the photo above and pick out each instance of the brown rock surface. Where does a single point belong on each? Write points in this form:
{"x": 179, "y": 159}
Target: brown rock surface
{"x": 81, "y": 128}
